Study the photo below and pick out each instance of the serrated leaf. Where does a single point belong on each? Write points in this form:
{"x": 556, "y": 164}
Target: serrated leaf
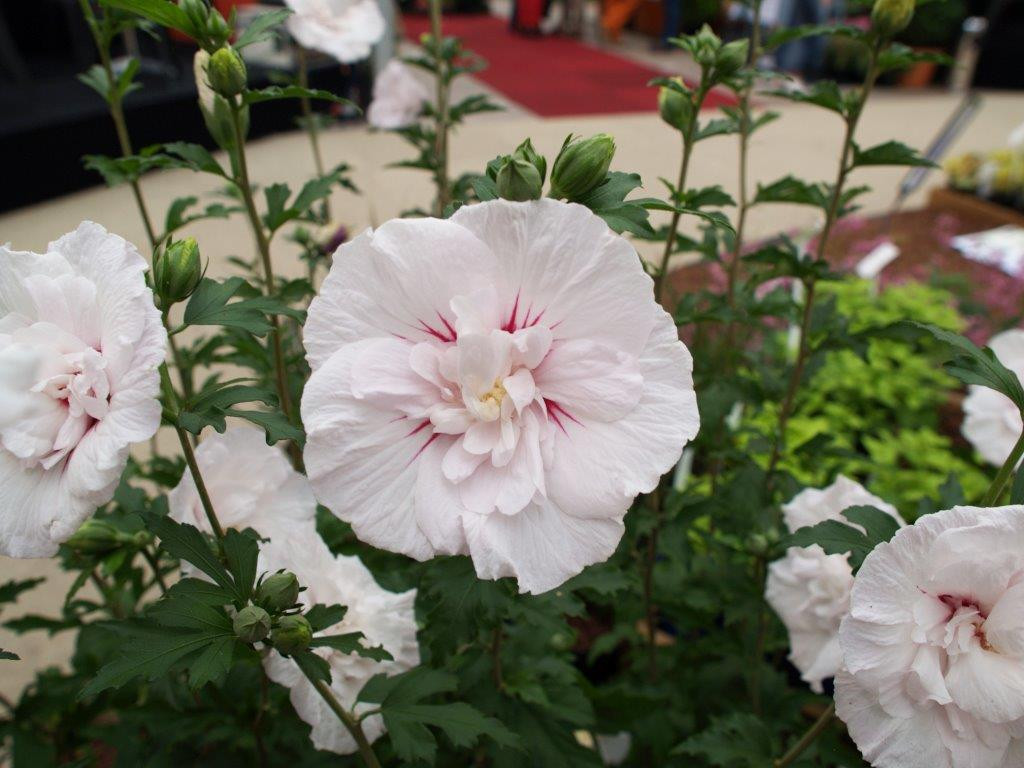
{"x": 312, "y": 665}
{"x": 10, "y": 590}
{"x": 790, "y": 189}
{"x": 158, "y": 11}
{"x": 734, "y": 741}
{"x": 183, "y": 613}
{"x": 241, "y": 552}
{"x": 209, "y": 305}
{"x": 212, "y": 663}
{"x": 201, "y": 591}
{"x": 186, "y": 543}
{"x": 8, "y": 655}
{"x": 838, "y": 538}
{"x": 889, "y": 153}
{"x": 262, "y": 27}
{"x": 210, "y": 407}
{"x": 274, "y": 92}
{"x": 350, "y": 643}
{"x": 320, "y": 617}
{"x": 823, "y": 93}
{"x": 195, "y": 157}
{"x": 275, "y": 425}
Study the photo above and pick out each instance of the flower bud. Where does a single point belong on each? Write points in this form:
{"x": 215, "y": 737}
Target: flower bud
{"x": 251, "y": 624}
{"x": 581, "y": 166}
{"x": 888, "y": 17}
{"x": 292, "y": 634}
{"x": 731, "y": 57}
{"x": 525, "y": 151}
{"x": 95, "y": 537}
{"x": 676, "y": 108}
{"x": 226, "y": 71}
{"x": 278, "y": 592}
{"x": 518, "y": 180}
{"x": 218, "y": 30}
{"x": 215, "y": 109}
{"x": 177, "y": 272}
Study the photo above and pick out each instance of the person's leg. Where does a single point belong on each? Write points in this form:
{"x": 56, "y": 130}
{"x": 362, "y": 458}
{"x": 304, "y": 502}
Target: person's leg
{"x": 673, "y": 20}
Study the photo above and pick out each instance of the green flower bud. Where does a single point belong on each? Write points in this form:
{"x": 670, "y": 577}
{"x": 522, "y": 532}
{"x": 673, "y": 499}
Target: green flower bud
{"x": 251, "y": 624}
{"x": 581, "y": 166}
{"x": 196, "y": 11}
{"x": 518, "y": 180}
{"x": 278, "y": 592}
{"x": 177, "y": 272}
{"x": 226, "y": 71}
{"x": 292, "y": 634}
{"x": 215, "y": 108}
{"x": 705, "y": 46}
{"x": 95, "y": 537}
{"x": 888, "y": 17}
{"x": 525, "y": 151}
{"x": 731, "y": 57}
{"x": 676, "y": 108}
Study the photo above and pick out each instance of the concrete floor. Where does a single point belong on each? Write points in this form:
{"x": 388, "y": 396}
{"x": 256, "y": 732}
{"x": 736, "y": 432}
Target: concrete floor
{"x": 804, "y": 142}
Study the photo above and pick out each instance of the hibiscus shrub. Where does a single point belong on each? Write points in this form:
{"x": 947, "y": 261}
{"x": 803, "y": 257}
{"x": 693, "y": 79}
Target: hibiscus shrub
{"x": 466, "y": 498}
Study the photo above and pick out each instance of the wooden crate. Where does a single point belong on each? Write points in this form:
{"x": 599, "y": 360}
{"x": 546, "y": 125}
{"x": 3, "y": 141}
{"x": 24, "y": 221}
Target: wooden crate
{"x": 986, "y": 213}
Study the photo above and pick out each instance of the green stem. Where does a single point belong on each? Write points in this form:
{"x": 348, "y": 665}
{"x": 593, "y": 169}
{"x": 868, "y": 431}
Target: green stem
{"x": 684, "y": 166}
{"x": 115, "y": 103}
{"x": 832, "y": 214}
{"x": 808, "y": 738}
{"x": 190, "y": 456}
{"x": 441, "y": 126}
{"x": 263, "y": 244}
{"x": 351, "y": 724}
{"x": 312, "y": 129}
{"x": 1005, "y": 473}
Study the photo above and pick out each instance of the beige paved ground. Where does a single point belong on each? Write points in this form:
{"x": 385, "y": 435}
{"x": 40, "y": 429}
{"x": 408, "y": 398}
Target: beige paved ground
{"x": 804, "y": 142}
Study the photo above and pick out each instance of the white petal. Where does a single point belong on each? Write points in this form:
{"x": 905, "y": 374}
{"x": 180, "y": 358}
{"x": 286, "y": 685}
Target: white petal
{"x": 541, "y": 546}
{"x": 1004, "y": 626}
{"x": 599, "y": 467}
{"x": 591, "y": 380}
{"x": 595, "y": 289}
{"x": 438, "y": 505}
{"x": 34, "y": 503}
{"x": 988, "y": 685}
{"x": 812, "y": 505}
{"x": 361, "y": 460}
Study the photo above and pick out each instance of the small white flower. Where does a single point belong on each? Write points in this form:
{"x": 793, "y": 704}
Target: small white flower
{"x": 992, "y": 423}
{"x": 397, "y": 98}
{"x": 933, "y": 645}
{"x": 499, "y": 384}
{"x": 80, "y": 345}
{"x": 385, "y": 618}
{"x": 344, "y": 29}
{"x": 810, "y": 590}
{"x": 251, "y": 485}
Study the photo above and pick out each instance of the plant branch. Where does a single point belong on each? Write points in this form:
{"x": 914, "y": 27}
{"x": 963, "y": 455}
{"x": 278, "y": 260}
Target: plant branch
{"x": 263, "y": 244}
{"x": 351, "y": 724}
{"x": 808, "y": 738}
{"x": 1005, "y": 473}
{"x": 441, "y": 119}
{"x": 312, "y": 130}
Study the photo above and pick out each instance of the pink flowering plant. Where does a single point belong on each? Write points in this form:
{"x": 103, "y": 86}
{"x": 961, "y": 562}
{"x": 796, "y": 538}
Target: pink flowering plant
{"x": 467, "y": 498}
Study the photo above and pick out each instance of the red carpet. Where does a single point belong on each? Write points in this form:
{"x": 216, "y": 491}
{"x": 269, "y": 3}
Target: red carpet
{"x": 553, "y": 76}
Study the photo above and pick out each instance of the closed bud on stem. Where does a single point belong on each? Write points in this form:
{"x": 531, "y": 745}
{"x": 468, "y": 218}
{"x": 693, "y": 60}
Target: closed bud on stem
{"x": 217, "y": 29}
{"x": 676, "y": 108}
{"x": 227, "y": 73}
{"x": 278, "y": 592}
{"x": 292, "y": 634}
{"x": 581, "y": 166}
{"x": 518, "y": 180}
{"x": 889, "y": 17}
{"x": 251, "y": 624}
{"x": 706, "y": 45}
{"x": 525, "y": 151}
{"x": 731, "y": 57}
{"x": 95, "y": 537}
{"x": 177, "y": 272}
{"x": 214, "y": 107}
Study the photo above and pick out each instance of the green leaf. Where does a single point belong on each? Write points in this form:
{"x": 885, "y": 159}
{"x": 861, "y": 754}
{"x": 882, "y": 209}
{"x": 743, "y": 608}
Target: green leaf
{"x": 350, "y": 643}
{"x": 8, "y": 655}
{"x": 889, "y": 153}
{"x": 241, "y": 552}
{"x": 210, "y": 407}
{"x": 183, "y": 613}
{"x": 176, "y": 218}
{"x": 35, "y": 623}
{"x": 312, "y": 665}
{"x": 838, "y": 538}
{"x": 96, "y": 78}
{"x": 823, "y": 93}
{"x": 161, "y": 12}
{"x": 274, "y": 424}
{"x": 790, "y": 189}
{"x": 899, "y": 56}
{"x": 790, "y": 34}
{"x": 1017, "y": 491}
{"x": 608, "y": 200}
{"x": 406, "y": 717}
{"x": 201, "y": 591}
{"x": 10, "y": 590}
{"x": 195, "y": 157}
{"x": 273, "y": 92}
{"x": 186, "y": 543}
{"x": 734, "y": 741}
{"x": 320, "y": 617}
{"x": 209, "y": 305}
{"x": 262, "y": 27}
{"x": 212, "y": 663}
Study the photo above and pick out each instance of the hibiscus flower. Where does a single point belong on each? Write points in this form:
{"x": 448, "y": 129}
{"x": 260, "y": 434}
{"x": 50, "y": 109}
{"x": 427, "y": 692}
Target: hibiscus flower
{"x": 933, "y": 645}
{"x": 397, "y": 98}
{"x": 344, "y": 29}
{"x": 80, "y": 347}
{"x": 992, "y": 423}
{"x": 810, "y": 590}
{"x": 500, "y": 384}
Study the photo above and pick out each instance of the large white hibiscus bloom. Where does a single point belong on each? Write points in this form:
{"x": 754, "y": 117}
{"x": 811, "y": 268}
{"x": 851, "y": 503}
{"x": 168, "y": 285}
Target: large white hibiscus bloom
{"x": 499, "y": 384}
{"x": 810, "y": 590}
{"x": 80, "y": 345}
{"x": 992, "y": 422}
{"x": 933, "y": 645}
{"x": 385, "y": 618}
{"x": 344, "y": 29}
{"x": 397, "y": 97}
{"x": 251, "y": 485}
